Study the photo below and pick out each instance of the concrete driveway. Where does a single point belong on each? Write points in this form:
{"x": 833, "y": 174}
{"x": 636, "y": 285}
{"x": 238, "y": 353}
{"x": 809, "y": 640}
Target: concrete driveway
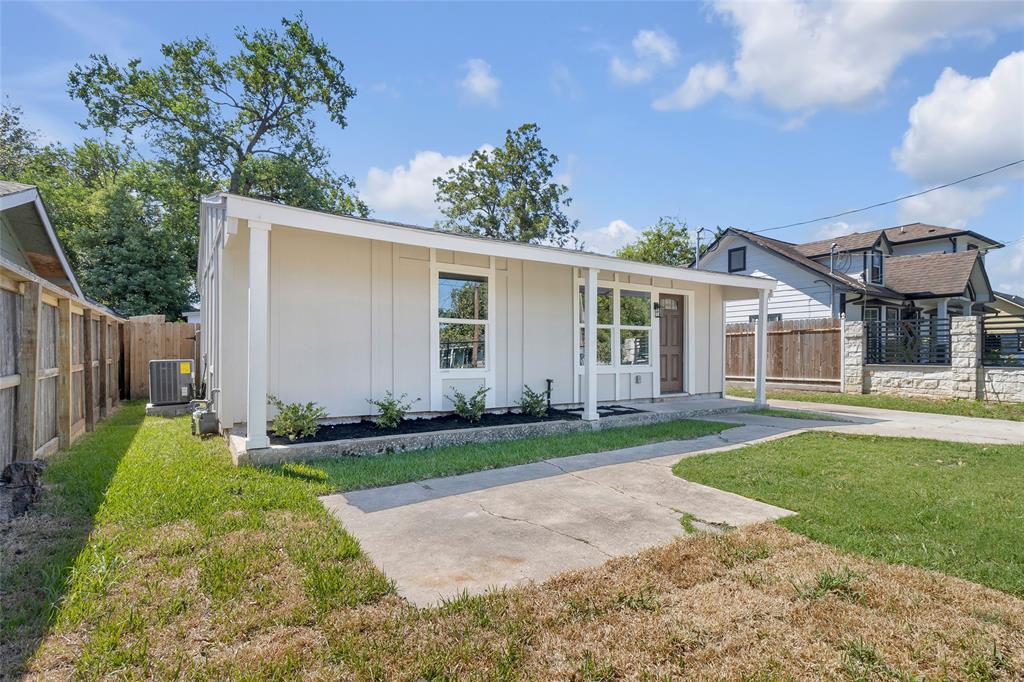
{"x": 502, "y": 527}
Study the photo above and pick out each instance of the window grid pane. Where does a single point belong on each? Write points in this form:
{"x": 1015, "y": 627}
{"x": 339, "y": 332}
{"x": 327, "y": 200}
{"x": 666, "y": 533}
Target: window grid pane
{"x": 634, "y": 347}
{"x": 634, "y": 309}
{"x": 461, "y": 297}
{"x": 463, "y": 346}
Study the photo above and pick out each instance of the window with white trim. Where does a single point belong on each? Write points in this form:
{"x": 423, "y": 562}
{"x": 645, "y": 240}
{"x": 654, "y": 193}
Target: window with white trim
{"x": 623, "y": 327}
{"x": 605, "y": 325}
{"x": 463, "y": 322}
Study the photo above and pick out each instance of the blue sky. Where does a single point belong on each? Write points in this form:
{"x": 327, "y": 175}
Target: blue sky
{"x": 745, "y": 114}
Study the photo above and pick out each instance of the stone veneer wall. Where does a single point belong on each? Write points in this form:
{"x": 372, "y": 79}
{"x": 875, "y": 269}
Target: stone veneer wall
{"x": 964, "y": 377}
{"x": 1005, "y": 384}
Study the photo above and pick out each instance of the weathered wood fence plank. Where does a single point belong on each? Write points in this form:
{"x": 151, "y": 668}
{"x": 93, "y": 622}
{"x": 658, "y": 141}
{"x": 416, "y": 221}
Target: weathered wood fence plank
{"x": 150, "y": 337}
{"x": 799, "y": 351}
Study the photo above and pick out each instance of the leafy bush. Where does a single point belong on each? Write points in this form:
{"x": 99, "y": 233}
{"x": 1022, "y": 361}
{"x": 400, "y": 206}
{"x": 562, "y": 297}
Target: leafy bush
{"x": 295, "y": 419}
{"x": 391, "y": 410}
{"x": 472, "y": 408}
{"x": 533, "y": 403}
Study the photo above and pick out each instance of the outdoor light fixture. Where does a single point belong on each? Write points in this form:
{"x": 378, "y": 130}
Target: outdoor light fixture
{"x": 657, "y": 310}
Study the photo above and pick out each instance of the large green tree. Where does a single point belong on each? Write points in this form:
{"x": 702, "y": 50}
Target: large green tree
{"x": 129, "y": 260}
{"x": 244, "y": 123}
{"x": 508, "y": 192}
{"x": 17, "y": 143}
{"x": 667, "y": 242}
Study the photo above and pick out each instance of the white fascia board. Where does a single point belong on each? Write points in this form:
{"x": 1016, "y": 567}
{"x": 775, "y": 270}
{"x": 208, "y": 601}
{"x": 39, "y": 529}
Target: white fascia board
{"x": 56, "y": 244}
{"x": 31, "y": 195}
{"x": 17, "y": 198}
{"x": 289, "y": 216}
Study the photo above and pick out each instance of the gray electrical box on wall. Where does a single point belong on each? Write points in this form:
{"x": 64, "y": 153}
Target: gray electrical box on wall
{"x": 170, "y": 381}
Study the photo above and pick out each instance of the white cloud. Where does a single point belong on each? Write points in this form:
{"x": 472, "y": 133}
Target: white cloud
{"x": 406, "y": 192}
{"x": 623, "y": 72}
{"x": 965, "y": 125}
{"x": 798, "y": 55}
{"x": 702, "y": 83}
{"x": 839, "y": 228}
{"x": 654, "y": 44}
{"x": 480, "y": 83}
{"x": 1006, "y": 268}
{"x": 610, "y": 238}
{"x": 385, "y": 89}
{"x": 652, "y": 49}
{"x": 563, "y": 83}
{"x": 949, "y": 207}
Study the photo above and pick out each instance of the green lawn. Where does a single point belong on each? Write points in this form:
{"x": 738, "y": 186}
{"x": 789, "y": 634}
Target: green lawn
{"x": 141, "y": 497}
{"x": 962, "y": 408}
{"x": 354, "y": 473}
{"x": 952, "y": 507}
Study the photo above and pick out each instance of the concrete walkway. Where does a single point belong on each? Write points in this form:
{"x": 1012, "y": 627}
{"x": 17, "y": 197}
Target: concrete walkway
{"x": 878, "y": 422}
{"x": 503, "y": 527}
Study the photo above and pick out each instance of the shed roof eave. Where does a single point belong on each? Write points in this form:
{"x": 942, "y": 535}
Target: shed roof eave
{"x": 246, "y": 208}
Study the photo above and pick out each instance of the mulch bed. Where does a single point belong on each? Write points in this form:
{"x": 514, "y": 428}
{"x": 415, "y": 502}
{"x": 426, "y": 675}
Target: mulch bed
{"x": 367, "y": 429}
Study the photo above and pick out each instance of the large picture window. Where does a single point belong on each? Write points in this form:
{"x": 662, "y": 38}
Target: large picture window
{"x": 623, "y": 327}
{"x": 462, "y": 321}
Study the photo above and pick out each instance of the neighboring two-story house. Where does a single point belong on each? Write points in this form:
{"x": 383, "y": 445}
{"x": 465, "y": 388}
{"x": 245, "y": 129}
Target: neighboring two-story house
{"x": 904, "y": 272}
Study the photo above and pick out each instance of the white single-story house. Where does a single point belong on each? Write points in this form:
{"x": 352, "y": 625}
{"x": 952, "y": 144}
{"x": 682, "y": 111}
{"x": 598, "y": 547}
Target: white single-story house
{"x": 311, "y": 306}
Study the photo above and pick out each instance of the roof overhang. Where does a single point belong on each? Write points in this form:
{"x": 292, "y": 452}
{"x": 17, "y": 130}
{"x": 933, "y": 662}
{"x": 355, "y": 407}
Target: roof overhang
{"x": 31, "y": 196}
{"x": 246, "y": 208}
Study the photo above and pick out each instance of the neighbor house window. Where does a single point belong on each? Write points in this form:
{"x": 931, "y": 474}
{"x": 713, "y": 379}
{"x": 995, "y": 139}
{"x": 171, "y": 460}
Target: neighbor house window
{"x": 738, "y": 259}
{"x": 629, "y": 323}
{"x": 462, "y": 321}
{"x": 972, "y": 247}
{"x": 873, "y": 267}
{"x": 772, "y": 317}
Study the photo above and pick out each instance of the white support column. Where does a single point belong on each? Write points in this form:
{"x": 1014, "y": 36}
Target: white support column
{"x": 590, "y": 351}
{"x": 943, "y": 309}
{"x": 256, "y": 405}
{"x": 761, "y": 348}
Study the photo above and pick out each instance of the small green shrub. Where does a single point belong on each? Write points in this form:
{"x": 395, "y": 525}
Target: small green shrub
{"x": 472, "y": 408}
{"x": 533, "y": 403}
{"x": 391, "y": 410}
{"x": 296, "y": 420}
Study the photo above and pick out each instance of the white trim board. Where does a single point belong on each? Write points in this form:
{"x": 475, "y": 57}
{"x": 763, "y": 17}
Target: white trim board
{"x": 246, "y": 208}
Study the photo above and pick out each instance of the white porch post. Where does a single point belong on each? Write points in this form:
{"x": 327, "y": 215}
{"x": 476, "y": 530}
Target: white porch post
{"x": 943, "y": 311}
{"x": 761, "y": 342}
{"x": 256, "y": 405}
{"x": 590, "y": 350}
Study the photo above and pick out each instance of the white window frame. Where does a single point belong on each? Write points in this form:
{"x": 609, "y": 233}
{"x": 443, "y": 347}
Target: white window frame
{"x": 654, "y": 341}
{"x": 439, "y": 375}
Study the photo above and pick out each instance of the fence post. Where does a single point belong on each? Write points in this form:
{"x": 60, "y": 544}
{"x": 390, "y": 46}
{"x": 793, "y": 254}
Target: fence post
{"x": 88, "y": 402}
{"x": 104, "y": 368}
{"x": 964, "y": 334}
{"x": 64, "y": 372}
{"x": 853, "y": 356}
{"x": 28, "y": 368}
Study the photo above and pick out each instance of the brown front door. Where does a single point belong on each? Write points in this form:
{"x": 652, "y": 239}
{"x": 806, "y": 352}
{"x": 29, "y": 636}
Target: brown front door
{"x": 671, "y": 344}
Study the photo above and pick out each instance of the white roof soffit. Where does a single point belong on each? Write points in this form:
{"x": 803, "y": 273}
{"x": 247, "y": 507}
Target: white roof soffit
{"x": 246, "y": 208}
{"x": 31, "y": 195}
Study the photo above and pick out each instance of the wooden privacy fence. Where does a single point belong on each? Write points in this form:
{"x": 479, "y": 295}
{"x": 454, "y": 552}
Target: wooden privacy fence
{"x": 59, "y": 365}
{"x": 151, "y": 337}
{"x": 799, "y": 351}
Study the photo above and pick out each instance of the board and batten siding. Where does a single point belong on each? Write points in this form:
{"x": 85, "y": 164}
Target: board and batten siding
{"x": 801, "y": 293}
{"x": 350, "y": 318}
